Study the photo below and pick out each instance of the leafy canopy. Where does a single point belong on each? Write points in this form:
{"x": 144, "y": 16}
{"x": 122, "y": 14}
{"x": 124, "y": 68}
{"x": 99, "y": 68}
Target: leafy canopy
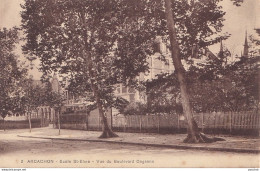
{"x": 11, "y": 71}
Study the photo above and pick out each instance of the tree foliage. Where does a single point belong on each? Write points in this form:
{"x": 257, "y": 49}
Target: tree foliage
{"x": 119, "y": 35}
{"x": 60, "y": 41}
{"x": 82, "y": 40}
{"x": 11, "y": 71}
{"x": 214, "y": 87}
{"x": 97, "y": 44}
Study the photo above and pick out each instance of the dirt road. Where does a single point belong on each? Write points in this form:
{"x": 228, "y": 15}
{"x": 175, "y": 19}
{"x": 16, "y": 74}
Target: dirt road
{"x": 26, "y": 152}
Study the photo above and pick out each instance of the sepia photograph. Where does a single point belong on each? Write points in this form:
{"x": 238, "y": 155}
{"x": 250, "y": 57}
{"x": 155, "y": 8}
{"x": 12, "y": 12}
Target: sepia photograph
{"x": 129, "y": 84}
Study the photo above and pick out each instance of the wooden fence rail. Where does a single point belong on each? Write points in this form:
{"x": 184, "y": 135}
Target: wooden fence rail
{"x": 167, "y": 122}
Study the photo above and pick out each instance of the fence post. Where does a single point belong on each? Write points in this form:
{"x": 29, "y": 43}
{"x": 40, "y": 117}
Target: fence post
{"x": 98, "y": 122}
{"x": 125, "y": 124}
{"x": 230, "y": 121}
{"x": 129, "y": 123}
{"x": 59, "y": 120}
{"x": 214, "y": 128}
{"x": 140, "y": 118}
{"x": 87, "y": 121}
{"x": 158, "y": 117}
{"x": 178, "y": 122}
{"x": 49, "y": 113}
{"x": 54, "y": 118}
{"x": 250, "y": 121}
{"x": 254, "y": 121}
{"x": 242, "y": 121}
{"x": 30, "y": 121}
{"x": 111, "y": 124}
{"x": 202, "y": 122}
{"x": 4, "y": 125}
{"x": 41, "y": 116}
{"x": 147, "y": 123}
{"x": 258, "y": 125}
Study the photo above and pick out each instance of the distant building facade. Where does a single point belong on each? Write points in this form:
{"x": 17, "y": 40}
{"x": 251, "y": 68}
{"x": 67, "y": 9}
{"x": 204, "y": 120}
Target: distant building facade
{"x": 156, "y": 66}
{"x": 46, "y": 111}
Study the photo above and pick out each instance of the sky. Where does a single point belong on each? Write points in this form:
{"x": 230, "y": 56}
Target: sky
{"x": 238, "y": 20}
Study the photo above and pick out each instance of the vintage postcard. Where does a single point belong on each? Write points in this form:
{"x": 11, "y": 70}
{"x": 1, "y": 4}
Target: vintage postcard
{"x": 129, "y": 84}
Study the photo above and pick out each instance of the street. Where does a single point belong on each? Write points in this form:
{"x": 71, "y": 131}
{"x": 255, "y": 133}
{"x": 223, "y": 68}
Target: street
{"x": 28, "y": 152}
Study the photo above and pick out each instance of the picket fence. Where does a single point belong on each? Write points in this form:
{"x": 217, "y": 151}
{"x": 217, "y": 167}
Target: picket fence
{"x": 164, "y": 122}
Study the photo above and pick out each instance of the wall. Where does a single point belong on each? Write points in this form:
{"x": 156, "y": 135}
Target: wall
{"x": 21, "y": 124}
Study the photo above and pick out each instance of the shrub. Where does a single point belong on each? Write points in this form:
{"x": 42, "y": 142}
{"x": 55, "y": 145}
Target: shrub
{"x": 135, "y": 108}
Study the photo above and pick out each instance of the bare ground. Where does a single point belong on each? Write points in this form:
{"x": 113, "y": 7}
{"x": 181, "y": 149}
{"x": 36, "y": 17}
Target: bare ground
{"x": 26, "y": 152}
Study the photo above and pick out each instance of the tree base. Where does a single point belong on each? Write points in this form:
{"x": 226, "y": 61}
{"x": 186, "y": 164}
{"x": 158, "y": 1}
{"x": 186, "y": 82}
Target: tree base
{"x": 108, "y": 134}
{"x": 201, "y": 138}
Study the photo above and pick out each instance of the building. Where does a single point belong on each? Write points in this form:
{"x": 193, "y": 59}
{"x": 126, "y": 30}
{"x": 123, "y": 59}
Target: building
{"x": 46, "y": 111}
{"x": 157, "y": 65}
{"x": 246, "y": 47}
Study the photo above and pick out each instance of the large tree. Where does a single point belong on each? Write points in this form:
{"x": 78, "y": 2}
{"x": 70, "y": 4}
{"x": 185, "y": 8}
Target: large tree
{"x": 103, "y": 42}
{"x": 87, "y": 41}
{"x": 188, "y": 27}
{"x": 10, "y": 72}
{"x": 31, "y": 97}
{"x": 55, "y": 100}
{"x": 201, "y": 20}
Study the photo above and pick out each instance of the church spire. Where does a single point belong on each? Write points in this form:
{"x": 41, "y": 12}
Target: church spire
{"x": 221, "y": 46}
{"x": 246, "y": 47}
{"x": 221, "y": 50}
{"x": 54, "y": 75}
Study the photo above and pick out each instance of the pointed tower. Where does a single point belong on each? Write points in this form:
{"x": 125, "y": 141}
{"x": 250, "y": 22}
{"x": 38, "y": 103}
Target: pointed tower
{"x": 221, "y": 50}
{"x": 55, "y": 83}
{"x": 246, "y": 47}
{"x": 221, "y": 46}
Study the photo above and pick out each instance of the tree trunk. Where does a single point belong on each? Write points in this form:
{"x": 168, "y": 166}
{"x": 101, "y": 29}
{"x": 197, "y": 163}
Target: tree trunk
{"x": 111, "y": 119}
{"x": 53, "y": 119}
{"x": 59, "y": 119}
{"x": 41, "y": 117}
{"x": 4, "y": 123}
{"x": 87, "y": 115}
{"x": 194, "y": 135}
{"x": 107, "y": 131}
{"x": 30, "y": 123}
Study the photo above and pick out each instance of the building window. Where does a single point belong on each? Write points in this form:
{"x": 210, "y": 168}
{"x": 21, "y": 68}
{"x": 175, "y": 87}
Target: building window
{"x": 157, "y": 47}
{"x": 118, "y": 89}
{"x": 124, "y": 89}
{"x": 167, "y": 62}
{"x": 131, "y": 90}
{"x": 132, "y": 97}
